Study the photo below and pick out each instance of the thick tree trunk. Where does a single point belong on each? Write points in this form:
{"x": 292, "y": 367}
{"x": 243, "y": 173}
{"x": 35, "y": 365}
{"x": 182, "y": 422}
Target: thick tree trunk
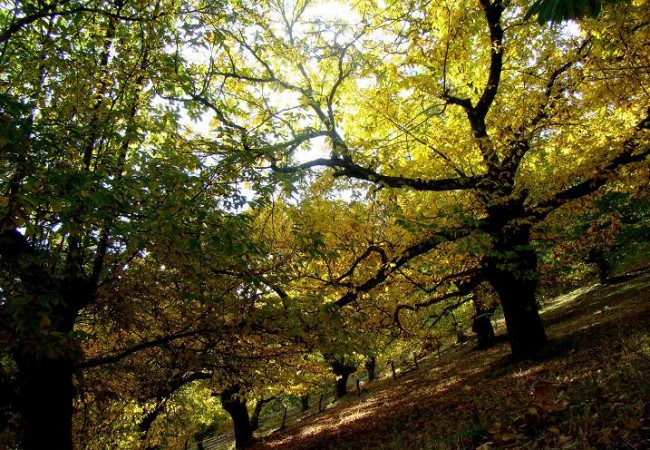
{"x": 513, "y": 274}
{"x": 236, "y": 407}
{"x": 525, "y": 329}
{"x": 343, "y": 372}
{"x": 45, "y": 402}
{"x": 46, "y": 359}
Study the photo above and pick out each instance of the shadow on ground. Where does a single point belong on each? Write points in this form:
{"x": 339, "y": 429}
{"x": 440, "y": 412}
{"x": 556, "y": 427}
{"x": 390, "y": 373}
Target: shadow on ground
{"x": 595, "y": 364}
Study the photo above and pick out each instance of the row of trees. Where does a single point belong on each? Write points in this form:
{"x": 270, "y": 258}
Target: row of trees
{"x": 144, "y": 260}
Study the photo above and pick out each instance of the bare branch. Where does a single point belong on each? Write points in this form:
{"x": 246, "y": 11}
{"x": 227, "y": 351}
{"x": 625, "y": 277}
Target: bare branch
{"x": 440, "y": 281}
{"x": 446, "y": 310}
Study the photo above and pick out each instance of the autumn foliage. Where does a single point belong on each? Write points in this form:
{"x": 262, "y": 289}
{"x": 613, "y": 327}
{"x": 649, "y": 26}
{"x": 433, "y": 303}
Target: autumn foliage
{"x": 211, "y": 205}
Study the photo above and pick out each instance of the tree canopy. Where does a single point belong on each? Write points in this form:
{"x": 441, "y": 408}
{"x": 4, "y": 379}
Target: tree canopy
{"x": 235, "y": 198}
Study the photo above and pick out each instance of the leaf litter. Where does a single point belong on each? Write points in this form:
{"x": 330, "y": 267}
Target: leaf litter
{"x": 588, "y": 389}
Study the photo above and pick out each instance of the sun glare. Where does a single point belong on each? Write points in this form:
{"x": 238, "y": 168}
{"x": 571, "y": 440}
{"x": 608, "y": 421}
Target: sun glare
{"x": 328, "y": 11}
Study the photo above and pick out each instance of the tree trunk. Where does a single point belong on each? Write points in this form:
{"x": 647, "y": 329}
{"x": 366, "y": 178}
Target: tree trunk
{"x": 46, "y": 358}
{"x": 513, "y": 275}
{"x": 235, "y": 405}
{"x": 371, "y": 367}
{"x": 525, "y": 328}
{"x": 45, "y": 402}
{"x": 341, "y": 385}
{"x": 342, "y": 369}
{"x": 482, "y": 325}
{"x": 284, "y": 417}
{"x": 304, "y": 402}
{"x": 597, "y": 256}
{"x": 255, "y": 418}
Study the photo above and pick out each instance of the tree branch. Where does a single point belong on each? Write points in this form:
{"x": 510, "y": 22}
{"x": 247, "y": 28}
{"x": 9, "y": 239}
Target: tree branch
{"x": 629, "y": 155}
{"x": 370, "y": 250}
{"x": 19, "y": 254}
{"x": 400, "y": 260}
{"x": 48, "y": 11}
{"x": 437, "y": 284}
{"x": 116, "y": 357}
{"x": 492, "y": 10}
{"x": 446, "y": 310}
{"x": 464, "y": 287}
{"x": 345, "y": 167}
{"x": 477, "y": 114}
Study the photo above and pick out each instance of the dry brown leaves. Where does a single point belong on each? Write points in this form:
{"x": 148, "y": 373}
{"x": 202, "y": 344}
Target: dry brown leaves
{"x": 589, "y": 390}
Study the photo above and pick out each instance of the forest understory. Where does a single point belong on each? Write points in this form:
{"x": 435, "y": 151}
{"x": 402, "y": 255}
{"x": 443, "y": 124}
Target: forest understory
{"x": 588, "y": 389}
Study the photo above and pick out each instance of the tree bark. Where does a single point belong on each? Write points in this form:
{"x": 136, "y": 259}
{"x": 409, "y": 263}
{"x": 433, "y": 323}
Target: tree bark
{"x": 513, "y": 275}
{"x": 597, "y": 256}
{"x": 45, "y": 402}
{"x": 482, "y": 325}
{"x": 341, "y": 385}
{"x": 46, "y": 357}
{"x": 343, "y": 371}
{"x": 525, "y": 329}
{"x": 255, "y": 418}
{"x": 304, "y": 403}
{"x": 371, "y": 367}
{"x": 484, "y": 331}
{"x": 235, "y": 405}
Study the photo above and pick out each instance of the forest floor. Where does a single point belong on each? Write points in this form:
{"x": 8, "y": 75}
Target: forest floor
{"x": 590, "y": 388}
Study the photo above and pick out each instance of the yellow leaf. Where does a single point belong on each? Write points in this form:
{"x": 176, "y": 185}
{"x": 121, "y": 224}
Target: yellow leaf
{"x": 564, "y": 440}
{"x": 555, "y": 431}
{"x": 507, "y": 437}
{"x": 633, "y": 424}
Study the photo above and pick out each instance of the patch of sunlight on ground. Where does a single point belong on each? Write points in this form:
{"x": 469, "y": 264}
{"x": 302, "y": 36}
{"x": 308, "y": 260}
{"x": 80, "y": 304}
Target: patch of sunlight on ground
{"x": 636, "y": 284}
{"x": 448, "y": 384}
{"x": 353, "y": 416}
{"x": 569, "y": 297}
{"x": 530, "y": 372}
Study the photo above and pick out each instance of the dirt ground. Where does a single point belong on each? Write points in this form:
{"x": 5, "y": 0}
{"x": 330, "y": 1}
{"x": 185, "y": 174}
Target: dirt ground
{"x": 589, "y": 388}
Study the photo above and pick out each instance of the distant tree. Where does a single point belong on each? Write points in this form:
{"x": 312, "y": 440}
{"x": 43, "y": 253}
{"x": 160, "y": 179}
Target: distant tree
{"x": 342, "y": 366}
{"x": 371, "y": 367}
{"x": 612, "y": 231}
{"x": 234, "y": 402}
{"x": 257, "y": 411}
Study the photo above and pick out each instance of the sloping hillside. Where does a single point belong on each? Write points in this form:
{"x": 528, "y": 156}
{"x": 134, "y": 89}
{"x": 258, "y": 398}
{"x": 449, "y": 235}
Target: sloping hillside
{"x": 589, "y": 389}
